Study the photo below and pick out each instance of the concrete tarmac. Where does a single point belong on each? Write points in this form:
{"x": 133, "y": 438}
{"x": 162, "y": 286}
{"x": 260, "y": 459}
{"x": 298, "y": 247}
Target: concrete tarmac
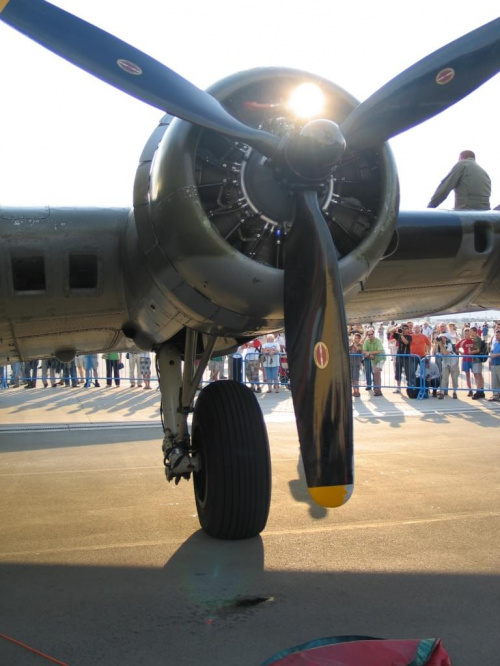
{"x": 103, "y": 562}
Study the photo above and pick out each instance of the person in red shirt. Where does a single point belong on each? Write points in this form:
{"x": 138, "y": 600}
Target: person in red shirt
{"x": 465, "y": 347}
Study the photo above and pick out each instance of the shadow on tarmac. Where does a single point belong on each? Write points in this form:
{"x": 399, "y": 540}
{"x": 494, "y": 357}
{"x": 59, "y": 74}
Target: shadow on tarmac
{"x": 213, "y": 603}
{"x": 92, "y": 401}
{"x": 300, "y": 493}
{"x": 36, "y": 440}
{"x": 127, "y": 401}
{"x": 381, "y": 410}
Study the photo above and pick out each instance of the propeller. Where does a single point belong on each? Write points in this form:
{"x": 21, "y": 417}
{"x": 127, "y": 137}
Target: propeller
{"x": 420, "y": 92}
{"x": 426, "y": 88}
{"x": 316, "y": 337}
{"x": 126, "y": 68}
{"x": 314, "y": 308}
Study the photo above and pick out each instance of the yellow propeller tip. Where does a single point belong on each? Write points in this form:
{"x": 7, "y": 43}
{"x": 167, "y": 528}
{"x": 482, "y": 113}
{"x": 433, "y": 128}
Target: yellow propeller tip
{"x": 331, "y": 496}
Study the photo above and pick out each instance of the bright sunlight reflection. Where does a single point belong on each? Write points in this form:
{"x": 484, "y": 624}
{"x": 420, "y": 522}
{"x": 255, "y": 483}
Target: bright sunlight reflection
{"x": 306, "y": 100}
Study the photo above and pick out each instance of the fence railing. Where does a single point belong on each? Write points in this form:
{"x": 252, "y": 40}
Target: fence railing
{"x": 72, "y": 374}
{"x": 411, "y": 371}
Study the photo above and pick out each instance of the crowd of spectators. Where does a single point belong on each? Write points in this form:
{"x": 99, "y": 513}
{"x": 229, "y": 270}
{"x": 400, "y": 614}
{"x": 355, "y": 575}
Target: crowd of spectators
{"x": 439, "y": 353}
{"x": 417, "y": 354}
{"x": 84, "y": 371}
{"x": 265, "y": 363}
{"x": 403, "y": 350}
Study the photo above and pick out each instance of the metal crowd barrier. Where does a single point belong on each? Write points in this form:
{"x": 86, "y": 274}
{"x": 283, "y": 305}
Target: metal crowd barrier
{"x": 416, "y": 378}
{"x": 69, "y": 374}
{"x": 250, "y": 371}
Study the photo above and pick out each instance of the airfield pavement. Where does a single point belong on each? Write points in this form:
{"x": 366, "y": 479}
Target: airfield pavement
{"x": 103, "y": 563}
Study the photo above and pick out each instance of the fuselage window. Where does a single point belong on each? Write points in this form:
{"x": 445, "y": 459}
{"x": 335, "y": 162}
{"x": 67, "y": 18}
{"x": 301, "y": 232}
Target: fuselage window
{"x": 28, "y": 274}
{"x": 483, "y": 240}
{"x": 82, "y": 271}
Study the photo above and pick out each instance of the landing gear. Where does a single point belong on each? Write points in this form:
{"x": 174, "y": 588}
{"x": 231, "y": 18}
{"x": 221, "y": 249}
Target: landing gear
{"x": 233, "y": 485}
{"x": 227, "y": 453}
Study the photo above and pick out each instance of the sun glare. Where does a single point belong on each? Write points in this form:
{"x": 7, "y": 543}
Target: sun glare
{"x": 306, "y": 100}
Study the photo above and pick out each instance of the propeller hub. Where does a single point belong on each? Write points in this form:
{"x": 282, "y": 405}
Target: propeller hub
{"x": 314, "y": 152}
{"x": 266, "y": 195}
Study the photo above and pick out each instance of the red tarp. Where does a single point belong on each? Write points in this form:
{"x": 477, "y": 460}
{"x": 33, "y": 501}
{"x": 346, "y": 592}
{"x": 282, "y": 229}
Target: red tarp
{"x": 359, "y": 651}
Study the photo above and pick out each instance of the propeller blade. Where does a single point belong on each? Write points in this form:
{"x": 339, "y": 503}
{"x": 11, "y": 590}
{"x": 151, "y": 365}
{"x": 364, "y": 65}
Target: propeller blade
{"x": 126, "y": 68}
{"x": 426, "y": 88}
{"x": 317, "y": 347}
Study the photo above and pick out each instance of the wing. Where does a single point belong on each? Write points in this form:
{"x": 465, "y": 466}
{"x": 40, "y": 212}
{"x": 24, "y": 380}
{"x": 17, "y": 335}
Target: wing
{"x": 61, "y": 283}
{"x": 438, "y": 262}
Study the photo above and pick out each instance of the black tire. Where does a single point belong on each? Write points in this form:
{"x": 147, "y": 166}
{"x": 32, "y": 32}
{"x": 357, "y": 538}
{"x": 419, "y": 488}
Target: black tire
{"x": 233, "y": 488}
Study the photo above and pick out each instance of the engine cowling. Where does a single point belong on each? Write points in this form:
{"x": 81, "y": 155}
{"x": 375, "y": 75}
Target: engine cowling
{"x": 212, "y": 215}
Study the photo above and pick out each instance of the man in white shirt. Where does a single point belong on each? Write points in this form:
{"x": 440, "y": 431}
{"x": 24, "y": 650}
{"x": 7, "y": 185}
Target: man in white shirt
{"x": 427, "y": 329}
{"x": 271, "y": 362}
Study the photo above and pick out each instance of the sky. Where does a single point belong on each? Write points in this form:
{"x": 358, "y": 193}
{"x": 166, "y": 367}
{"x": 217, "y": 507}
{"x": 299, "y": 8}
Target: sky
{"x": 68, "y": 139}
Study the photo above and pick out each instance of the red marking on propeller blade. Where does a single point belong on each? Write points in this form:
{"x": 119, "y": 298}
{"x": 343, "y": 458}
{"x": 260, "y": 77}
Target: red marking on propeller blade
{"x": 445, "y": 76}
{"x": 321, "y": 355}
{"x": 129, "y": 67}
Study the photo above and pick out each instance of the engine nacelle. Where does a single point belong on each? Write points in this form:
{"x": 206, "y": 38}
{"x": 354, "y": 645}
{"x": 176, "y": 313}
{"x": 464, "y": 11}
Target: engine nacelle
{"x": 212, "y": 214}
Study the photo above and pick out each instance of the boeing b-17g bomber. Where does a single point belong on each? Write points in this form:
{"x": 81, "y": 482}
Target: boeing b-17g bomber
{"x": 248, "y": 216}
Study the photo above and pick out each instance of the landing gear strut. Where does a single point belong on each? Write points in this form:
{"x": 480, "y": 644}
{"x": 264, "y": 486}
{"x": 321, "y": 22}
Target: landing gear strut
{"x": 228, "y": 452}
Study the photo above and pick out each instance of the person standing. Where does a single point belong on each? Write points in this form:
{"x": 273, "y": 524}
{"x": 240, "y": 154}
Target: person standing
{"x": 69, "y": 374}
{"x": 369, "y": 379}
{"x": 403, "y": 338}
{"x": 145, "y": 368}
{"x": 112, "y": 361}
{"x": 446, "y": 350}
{"x": 45, "y": 371}
{"x": 373, "y": 350}
{"x": 478, "y": 357}
{"x": 134, "y": 369}
{"x": 15, "y": 374}
{"x": 251, "y": 363}
{"x": 420, "y": 346}
{"x": 271, "y": 362}
{"x": 427, "y": 329}
{"x": 355, "y": 358}
{"x": 216, "y": 368}
{"x": 420, "y": 343}
{"x": 91, "y": 367}
{"x": 471, "y": 184}
{"x": 495, "y": 367}
{"x": 453, "y": 333}
{"x": 54, "y": 366}
{"x": 31, "y": 370}
{"x": 80, "y": 366}
{"x": 441, "y": 330}
{"x": 465, "y": 346}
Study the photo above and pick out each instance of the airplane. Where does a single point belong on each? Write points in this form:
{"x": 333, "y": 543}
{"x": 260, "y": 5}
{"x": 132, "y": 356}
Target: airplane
{"x": 250, "y": 215}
